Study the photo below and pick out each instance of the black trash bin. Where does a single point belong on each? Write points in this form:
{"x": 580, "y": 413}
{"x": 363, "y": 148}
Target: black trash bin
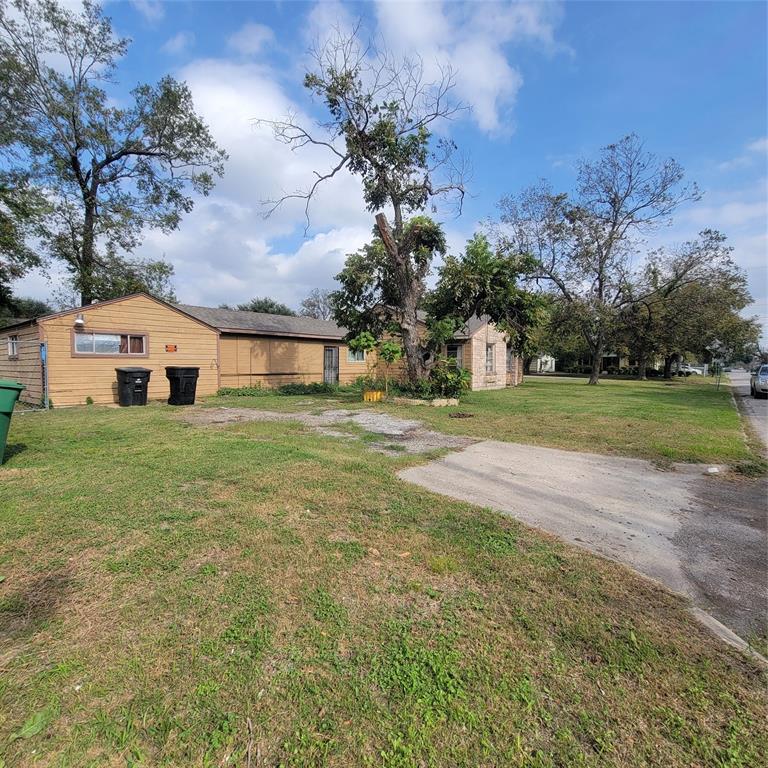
{"x": 132, "y": 385}
{"x": 183, "y": 384}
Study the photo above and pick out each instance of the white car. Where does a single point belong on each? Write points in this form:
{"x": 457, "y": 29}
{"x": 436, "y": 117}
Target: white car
{"x": 758, "y": 382}
{"x": 688, "y": 370}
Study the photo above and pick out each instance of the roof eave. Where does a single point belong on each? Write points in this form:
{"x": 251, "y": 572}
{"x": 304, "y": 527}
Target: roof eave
{"x": 31, "y": 321}
{"x": 282, "y": 334}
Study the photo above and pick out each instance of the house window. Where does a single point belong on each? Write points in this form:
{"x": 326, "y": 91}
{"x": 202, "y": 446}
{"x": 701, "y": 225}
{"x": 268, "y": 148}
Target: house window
{"x": 110, "y": 344}
{"x": 455, "y": 352}
{"x": 355, "y": 355}
{"x": 490, "y": 358}
{"x": 13, "y": 346}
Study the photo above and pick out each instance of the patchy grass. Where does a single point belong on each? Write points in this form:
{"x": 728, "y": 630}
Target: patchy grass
{"x": 682, "y": 420}
{"x": 164, "y": 585}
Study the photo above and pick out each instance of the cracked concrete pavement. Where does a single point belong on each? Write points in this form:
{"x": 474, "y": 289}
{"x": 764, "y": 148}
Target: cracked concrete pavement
{"x": 703, "y": 536}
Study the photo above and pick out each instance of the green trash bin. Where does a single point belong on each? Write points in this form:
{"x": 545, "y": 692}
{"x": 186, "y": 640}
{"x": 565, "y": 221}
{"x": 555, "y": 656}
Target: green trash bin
{"x": 9, "y": 394}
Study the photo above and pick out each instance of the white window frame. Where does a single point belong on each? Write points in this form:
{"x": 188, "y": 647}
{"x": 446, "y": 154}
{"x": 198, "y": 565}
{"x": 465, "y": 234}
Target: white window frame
{"x": 13, "y": 346}
{"x": 458, "y": 357}
{"x": 355, "y": 355}
{"x": 490, "y": 363}
{"x": 93, "y": 353}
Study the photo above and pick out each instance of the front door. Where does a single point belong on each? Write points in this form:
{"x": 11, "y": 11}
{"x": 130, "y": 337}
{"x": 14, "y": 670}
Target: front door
{"x": 331, "y": 365}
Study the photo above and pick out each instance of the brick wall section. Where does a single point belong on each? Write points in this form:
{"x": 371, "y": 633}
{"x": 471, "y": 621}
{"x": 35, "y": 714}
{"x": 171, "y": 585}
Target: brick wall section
{"x": 487, "y": 334}
{"x": 515, "y": 371}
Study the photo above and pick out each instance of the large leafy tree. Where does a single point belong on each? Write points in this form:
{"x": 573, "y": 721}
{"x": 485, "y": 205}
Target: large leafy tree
{"x": 681, "y": 301}
{"x": 584, "y": 243}
{"x": 380, "y": 113}
{"x": 21, "y": 204}
{"x": 20, "y": 307}
{"x": 110, "y": 168}
{"x": 485, "y": 283}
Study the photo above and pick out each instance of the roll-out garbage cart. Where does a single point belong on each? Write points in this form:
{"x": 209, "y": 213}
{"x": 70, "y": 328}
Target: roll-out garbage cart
{"x": 9, "y": 394}
{"x": 183, "y": 380}
{"x": 132, "y": 385}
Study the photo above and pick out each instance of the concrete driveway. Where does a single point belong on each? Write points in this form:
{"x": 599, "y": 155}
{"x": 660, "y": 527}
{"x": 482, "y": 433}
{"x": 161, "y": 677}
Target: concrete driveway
{"x": 700, "y": 535}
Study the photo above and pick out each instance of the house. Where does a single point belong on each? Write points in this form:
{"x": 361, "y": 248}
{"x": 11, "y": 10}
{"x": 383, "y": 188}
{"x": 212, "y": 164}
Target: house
{"x": 258, "y": 349}
{"x": 483, "y": 350}
{"x": 74, "y": 353}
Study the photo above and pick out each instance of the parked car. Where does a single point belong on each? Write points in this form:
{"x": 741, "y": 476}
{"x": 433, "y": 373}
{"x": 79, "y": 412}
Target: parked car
{"x": 758, "y": 382}
{"x": 689, "y": 369}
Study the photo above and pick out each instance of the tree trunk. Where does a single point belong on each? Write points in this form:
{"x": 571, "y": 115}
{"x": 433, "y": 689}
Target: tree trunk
{"x": 409, "y": 286}
{"x": 641, "y": 363}
{"x": 669, "y": 361}
{"x": 597, "y": 361}
{"x": 527, "y": 365}
{"x": 87, "y": 258}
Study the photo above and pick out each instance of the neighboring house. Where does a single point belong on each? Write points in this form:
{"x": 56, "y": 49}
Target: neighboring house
{"x": 483, "y": 351}
{"x": 77, "y": 351}
{"x": 543, "y": 364}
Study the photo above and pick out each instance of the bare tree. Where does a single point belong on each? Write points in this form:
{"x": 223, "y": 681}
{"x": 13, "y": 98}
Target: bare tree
{"x": 317, "y": 305}
{"x": 585, "y": 246}
{"x": 381, "y": 113}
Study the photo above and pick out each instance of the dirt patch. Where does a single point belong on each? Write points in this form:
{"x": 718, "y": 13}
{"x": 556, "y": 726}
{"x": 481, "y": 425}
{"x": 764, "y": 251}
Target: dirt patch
{"x": 398, "y": 435}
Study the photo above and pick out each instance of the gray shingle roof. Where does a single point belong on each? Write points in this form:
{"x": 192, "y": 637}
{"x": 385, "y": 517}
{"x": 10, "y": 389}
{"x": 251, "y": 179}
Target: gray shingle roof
{"x": 472, "y": 326}
{"x": 261, "y": 323}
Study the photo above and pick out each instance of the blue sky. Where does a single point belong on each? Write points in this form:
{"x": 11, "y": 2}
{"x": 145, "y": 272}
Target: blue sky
{"x": 547, "y": 83}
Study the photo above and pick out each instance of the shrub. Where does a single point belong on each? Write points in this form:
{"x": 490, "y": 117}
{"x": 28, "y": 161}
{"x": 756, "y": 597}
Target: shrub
{"x": 243, "y": 391}
{"x": 315, "y": 388}
{"x": 445, "y": 380}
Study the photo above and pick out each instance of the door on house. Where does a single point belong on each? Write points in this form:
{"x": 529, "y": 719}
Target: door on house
{"x": 331, "y": 365}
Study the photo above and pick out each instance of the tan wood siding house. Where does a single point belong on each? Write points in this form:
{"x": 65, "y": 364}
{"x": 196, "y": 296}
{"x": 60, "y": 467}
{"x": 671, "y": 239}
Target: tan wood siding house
{"x": 85, "y": 345}
{"x": 232, "y": 349}
{"x": 20, "y": 360}
{"x": 259, "y": 349}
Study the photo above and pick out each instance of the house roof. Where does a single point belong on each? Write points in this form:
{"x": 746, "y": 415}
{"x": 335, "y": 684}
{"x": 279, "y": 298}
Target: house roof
{"x": 12, "y": 322}
{"x": 95, "y": 304}
{"x": 261, "y": 323}
{"x": 472, "y": 326}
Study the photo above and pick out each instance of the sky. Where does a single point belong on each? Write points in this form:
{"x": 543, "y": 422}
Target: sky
{"x": 545, "y": 83}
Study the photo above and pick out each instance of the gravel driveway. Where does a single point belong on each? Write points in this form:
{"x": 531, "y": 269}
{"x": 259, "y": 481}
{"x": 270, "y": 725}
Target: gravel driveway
{"x": 702, "y": 536}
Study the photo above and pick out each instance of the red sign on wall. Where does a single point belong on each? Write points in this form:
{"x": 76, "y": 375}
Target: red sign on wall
{"x": 170, "y": 348}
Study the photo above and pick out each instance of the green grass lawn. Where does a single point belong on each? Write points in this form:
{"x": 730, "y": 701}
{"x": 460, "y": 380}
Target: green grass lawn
{"x": 682, "y": 420}
{"x": 178, "y": 595}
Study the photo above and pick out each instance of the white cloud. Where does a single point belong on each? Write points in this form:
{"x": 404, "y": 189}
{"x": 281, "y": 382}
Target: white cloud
{"x": 747, "y": 158}
{"x": 475, "y": 39}
{"x": 225, "y": 251}
{"x": 151, "y": 10}
{"x": 251, "y": 39}
{"x": 179, "y": 43}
